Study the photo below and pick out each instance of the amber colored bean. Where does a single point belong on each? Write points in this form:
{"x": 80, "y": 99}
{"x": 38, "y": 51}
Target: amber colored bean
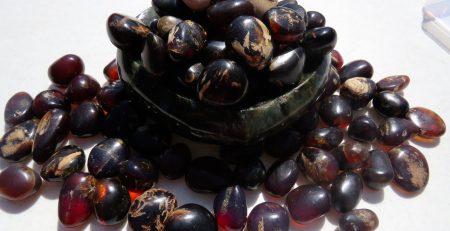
{"x": 430, "y": 124}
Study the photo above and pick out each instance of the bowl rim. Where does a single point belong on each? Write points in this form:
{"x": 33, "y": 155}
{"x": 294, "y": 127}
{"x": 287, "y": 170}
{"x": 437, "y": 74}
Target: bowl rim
{"x": 195, "y": 120}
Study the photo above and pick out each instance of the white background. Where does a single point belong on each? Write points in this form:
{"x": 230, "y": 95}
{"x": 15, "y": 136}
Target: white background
{"x": 387, "y": 33}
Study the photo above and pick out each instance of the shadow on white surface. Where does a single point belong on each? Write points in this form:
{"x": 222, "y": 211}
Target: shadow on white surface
{"x": 333, "y": 216}
{"x": 50, "y": 190}
{"x": 16, "y": 207}
{"x": 372, "y": 196}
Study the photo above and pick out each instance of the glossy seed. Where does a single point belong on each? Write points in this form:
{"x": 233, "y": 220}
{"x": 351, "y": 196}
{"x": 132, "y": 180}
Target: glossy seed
{"x": 268, "y": 216}
{"x": 111, "y": 201}
{"x": 122, "y": 120}
{"x": 230, "y": 208}
{"x": 192, "y": 76}
{"x": 18, "y": 182}
{"x": 75, "y": 204}
{"x": 251, "y": 40}
{"x": 395, "y": 131}
{"x": 150, "y": 211}
{"x": 357, "y": 68}
{"x": 250, "y": 173}
{"x": 185, "y": 41}
{"x": 223, "y": 83}
{"x": 82, "y": 87}
{"x": 358, "y": 219}
{"x": 284, "y": 24}
{"x": 47, "y": 100}
{"x": 410, "y": 167}
{"x": 285, "y": 70}
{"x": 174, "y": 162}
{"x": 283, "y": 144}
{"x": 150, "y": 139}
{"x": 393, "y": 83}
{"x": 18, "y": 108}
{"x": 148, "y": 16}
{"x": 261, "y": 6}
{"x": 208, "y": 174}
{"x": 215, "y": 50}
{"x": 111, "y": 94}
{"x": 176, "y": 8}
{"x": 154, "y": 56}
{"x": 336, "y": 59}
{"x": 190, "y": 217}
{"x": 281, "y": 176}
{"x": 336, "y": 111}
{"x": 315, "y": 20}
{"x": 111, "y": 71}
{"x": 319, "y": 41}
{"x": 51, "y": 130}
{"x": 308, "y": 202}
{"x": 333, "y": 83}
{"x": 126, "y": 33}
{"x": 363, "y": 128}
{"x": 221, "y": 14}
{"x": 16, "y": 144}
{"x": 138, "y": 175}
{"x": 346, "y": 191}
{"x": 65, "y": 162}
{"x": 105, "y": 157}
{"x": 297, "y": 8}
{"x": 64, "y": 69}
{"x": 390, "y": 104}
{"x": 352, "y": 154}
{"x": 359, "y": 91}
{"x": 86, "y": 119}
{"x": 378, "y": 172}
{"x": 324, "y": 138}
{"x": 318, "y": 165}
{"x": 430, "y": 124}
{"x": 165, "y": 25}
{"x": 197, "y": 5}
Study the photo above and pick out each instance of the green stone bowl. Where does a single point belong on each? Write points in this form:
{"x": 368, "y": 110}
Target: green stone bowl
{"x": 192, "y": 119}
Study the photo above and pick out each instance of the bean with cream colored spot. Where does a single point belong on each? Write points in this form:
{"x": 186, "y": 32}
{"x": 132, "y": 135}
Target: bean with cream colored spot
{"x": 222, "y": 83}
{"x": 52, "y": 129}
{"x": 151, "y": 210}
{"x": 250, "y": 39}
{"x": 358, "y": 219}
{"x": 66, "y": 161}
{"x": 411, "y": 170}
{"x": 16, "y": 144}
{"x": 185, "y": 41}
{"x": 359, "y": 91}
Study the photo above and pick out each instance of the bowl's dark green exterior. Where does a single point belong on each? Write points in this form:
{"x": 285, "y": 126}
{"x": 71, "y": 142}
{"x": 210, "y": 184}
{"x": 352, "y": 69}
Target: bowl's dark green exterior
{"x": 192, "y": 119}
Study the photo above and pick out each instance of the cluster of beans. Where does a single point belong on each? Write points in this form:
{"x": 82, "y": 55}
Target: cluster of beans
{"x": 336, "y": 145}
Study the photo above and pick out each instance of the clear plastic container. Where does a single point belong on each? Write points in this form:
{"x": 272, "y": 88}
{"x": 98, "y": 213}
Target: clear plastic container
{"x": 436, "y": 21}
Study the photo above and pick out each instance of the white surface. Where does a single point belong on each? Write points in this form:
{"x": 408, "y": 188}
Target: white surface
{"x": 388, "y": 34}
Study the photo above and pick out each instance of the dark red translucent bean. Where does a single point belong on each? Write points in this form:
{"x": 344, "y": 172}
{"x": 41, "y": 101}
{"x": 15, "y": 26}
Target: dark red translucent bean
{"x": 230, "y": 208}
{"x": 268, "y": 216}
{"x": 82, "y": 87}
{"x": 111, "y": 72}
{"x": 346, "y": 191}
{"x": 430, "y": 124}
{"x": 281, "y": 176}
{"x": 48, "y": 100}
{"x": 18, "y": 182}
{"x": 63, "y": 70}
{"x": 318, "y": 165}
{"x": 308, "y": 202}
